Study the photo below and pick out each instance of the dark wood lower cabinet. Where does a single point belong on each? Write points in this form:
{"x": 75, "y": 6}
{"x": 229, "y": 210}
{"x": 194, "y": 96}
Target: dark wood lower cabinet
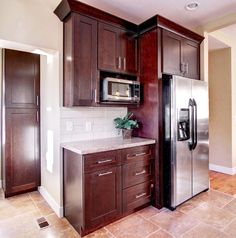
{"x": 96, "y": 187}
{"x": 102, "y": 197}
{"x": 21, "y": 151}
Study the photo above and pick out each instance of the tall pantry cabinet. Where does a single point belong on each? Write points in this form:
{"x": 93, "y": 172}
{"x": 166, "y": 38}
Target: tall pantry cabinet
{"x": 20, "y": 122}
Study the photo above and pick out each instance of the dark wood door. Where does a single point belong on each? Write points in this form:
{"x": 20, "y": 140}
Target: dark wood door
{"x": 191, "y": 59}
{"x": 102, "y": 196}
{"x": 22, "y": 75}
{"x": 171, "y": 53}
{"x": 109, "y": 57}
{"x": 129, "y": 52}
{"x": 21, "y": 150}
{"x": 85, "y": 60}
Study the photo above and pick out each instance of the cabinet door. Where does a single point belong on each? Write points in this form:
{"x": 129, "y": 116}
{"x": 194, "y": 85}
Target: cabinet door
{"x": 102, "y": 197}
{"x": 21, "y": 150}
{"x": 109, "y": 48}
{"x": 191, "y": 59}
{"x": 21, "y": 79}
{"x": 171, "y": 50}
{"x": 85, "y": 60}
{"x": 129, "y": 52}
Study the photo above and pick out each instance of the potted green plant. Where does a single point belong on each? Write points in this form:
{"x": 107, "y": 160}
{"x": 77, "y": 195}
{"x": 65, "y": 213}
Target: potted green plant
{"x": 126, "y": 124}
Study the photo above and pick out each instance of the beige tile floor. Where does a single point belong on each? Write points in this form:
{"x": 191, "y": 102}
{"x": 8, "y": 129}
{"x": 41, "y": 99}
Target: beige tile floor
{"x": 209, "y": 215}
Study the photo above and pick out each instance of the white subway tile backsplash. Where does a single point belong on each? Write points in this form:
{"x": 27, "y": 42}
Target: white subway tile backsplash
{"x": 101, "y": 119}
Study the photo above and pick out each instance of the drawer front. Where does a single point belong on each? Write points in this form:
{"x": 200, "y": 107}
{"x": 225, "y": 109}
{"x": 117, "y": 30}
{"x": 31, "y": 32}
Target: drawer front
{"x": 137, "y": 172}
{"x": 137, "y": 196}
{"x": 138, "y": 153}
{"x": 102, "y": 160}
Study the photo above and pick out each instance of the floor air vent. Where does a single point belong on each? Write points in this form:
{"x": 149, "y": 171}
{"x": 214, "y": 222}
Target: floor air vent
{"x": 42, "y": 222}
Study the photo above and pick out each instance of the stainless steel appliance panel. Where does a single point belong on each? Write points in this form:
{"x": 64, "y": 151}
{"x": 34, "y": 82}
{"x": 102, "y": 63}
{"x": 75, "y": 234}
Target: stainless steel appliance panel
{"x": 181, "y": 174}
{"x": 200, "y": 155}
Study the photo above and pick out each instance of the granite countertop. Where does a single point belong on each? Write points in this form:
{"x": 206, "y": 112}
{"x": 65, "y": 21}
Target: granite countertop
{"x": 93, "y": 146}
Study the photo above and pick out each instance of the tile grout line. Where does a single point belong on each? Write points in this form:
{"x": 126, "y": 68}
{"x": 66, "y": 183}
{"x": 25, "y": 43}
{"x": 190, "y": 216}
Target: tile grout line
{"x": 109, "y": 232}
{"x": 35, "y": 204}
{"x": 222, "y": 229}
{"x": 160, "y": 228}
{"x": 217, "y": 191}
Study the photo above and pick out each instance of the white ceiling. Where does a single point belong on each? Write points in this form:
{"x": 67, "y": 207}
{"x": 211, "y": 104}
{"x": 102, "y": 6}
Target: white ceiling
{"x": 139, "y": 10}
{"x": 214, "y": 44}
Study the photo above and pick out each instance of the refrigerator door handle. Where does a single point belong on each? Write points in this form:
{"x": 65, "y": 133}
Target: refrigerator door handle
{"x": 194, "y": 124}
{"x": 191, "y": 139}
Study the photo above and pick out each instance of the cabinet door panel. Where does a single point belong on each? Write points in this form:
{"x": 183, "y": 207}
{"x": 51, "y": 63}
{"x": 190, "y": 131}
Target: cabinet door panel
{"x": 85, "y": 60}
{"x": 108, "y": 48}
{"x": 172, "y": 57}
{"x": 129, "y": 52}
{"x": 22, "y": 150}
{"x": 191, "y": 59}
{"x": 102, "y": 196}
{"x": 21, "y": 79}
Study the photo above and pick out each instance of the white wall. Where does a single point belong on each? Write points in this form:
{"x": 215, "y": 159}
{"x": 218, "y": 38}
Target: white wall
{"x": 220, "y": 121}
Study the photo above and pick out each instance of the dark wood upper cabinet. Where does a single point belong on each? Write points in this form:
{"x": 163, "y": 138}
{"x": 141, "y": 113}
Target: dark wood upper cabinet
{"x": 22, "y": 79}
{"x": 172, "y": 56}
{"x": 191, "y": 58}
{"x": 129, "y": 51}
{"x": 80, "y": 61}
{"x": 180, "y": 55}
{"x": 117, "y": 49}
{"x": 108, "y": 47}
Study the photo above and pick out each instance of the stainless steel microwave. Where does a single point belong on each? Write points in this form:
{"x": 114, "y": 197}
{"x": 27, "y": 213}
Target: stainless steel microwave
{"x": 120, "y": 90}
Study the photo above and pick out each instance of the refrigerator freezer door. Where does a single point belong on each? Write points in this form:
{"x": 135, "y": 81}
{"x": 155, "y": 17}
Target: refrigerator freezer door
{"x": 181, "y": 172}
{"x": 201, "y": 152}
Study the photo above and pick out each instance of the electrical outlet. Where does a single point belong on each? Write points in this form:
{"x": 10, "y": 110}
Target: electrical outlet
{"x": 88, "y": 126}
{"x": 69, "y": 126}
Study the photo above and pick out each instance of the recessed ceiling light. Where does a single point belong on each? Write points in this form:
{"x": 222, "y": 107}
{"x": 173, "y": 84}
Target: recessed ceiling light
{"x": 192, "y": 6}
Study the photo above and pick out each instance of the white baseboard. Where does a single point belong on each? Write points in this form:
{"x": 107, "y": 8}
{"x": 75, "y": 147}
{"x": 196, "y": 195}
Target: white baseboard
{"x": 50, "y": 200}
{"x": 0, "y": 183}
{"x": 222, "y": 169}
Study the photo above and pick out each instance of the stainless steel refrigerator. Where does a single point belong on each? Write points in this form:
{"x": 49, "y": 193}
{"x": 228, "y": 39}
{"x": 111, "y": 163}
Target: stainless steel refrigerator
{"x": 186, "y": 152}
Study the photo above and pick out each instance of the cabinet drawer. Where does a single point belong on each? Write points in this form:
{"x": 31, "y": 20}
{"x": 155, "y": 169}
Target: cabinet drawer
{"x": 137, "y": 172}
{"x": 138, "y": 153}
{"x": 137, "y": 196}
{"x": 102, "y": 160}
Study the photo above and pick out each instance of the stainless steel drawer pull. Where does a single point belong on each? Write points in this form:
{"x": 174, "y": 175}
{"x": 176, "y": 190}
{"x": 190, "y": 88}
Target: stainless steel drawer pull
{"x": 104, "y": 174}
{"x": 104, "y": 161}
{"x": 140, "y": 154}
{"x": 140, "y": 173}
{"x": 140, "y": 195}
